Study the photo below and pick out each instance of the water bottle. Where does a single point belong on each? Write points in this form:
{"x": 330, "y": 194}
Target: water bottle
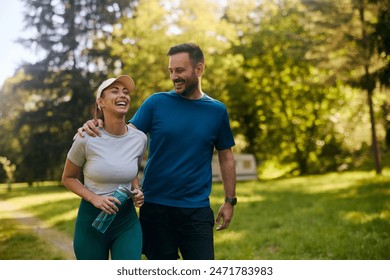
{"x": 104, "y": 220}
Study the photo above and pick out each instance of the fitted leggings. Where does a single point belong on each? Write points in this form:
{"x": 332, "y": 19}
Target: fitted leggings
{"x": 121, "y": 241}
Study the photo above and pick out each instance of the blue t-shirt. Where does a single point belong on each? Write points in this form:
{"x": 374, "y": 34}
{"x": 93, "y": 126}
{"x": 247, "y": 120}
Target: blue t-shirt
{"x": 182, "y": 137}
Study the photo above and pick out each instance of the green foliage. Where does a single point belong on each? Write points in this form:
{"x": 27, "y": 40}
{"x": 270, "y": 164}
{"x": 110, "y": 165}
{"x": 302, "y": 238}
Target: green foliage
{"x": 58, "y": 89}
{"x": 141, "y": 48}
{"x": 288, "y": 100}
{"x": 290, "y": 73}
{"x": 144, "y": 37}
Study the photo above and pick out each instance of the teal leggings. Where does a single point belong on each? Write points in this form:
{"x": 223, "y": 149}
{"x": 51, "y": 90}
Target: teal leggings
{"x": 122, "y": 240}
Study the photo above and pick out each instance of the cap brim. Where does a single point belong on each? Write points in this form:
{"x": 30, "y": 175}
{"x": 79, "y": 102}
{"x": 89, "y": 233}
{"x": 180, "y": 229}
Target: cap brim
{"x": 127, "y": 81}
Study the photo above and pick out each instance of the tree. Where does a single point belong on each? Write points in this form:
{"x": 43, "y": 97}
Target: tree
{"x": 291, "y": 73}
{"x": 13, "y": 103}
{"x": 381, "y": 39}
{"x": 144, "y": 37}
{"x": 140, "y": 41}
{"x": 73, "y": 38}
{"x": 367, "y": 80}
{"x": 287, "y": 96}
{"x": 9, "y": 169}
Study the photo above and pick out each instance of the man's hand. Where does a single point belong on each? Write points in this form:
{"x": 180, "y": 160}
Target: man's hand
{"x": 91, "y": 127}
{"x": 138, "y": 197}
{"x": 226, "y": 214}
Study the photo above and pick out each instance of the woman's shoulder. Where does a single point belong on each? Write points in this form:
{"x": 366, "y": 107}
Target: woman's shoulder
{"x": 135, "y": 131}
{"x": 85, "y": 138}
{"x": 81, "y": 139}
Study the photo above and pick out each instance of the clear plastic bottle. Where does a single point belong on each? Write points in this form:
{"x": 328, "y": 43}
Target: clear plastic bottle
{"x": 104, "y": 220}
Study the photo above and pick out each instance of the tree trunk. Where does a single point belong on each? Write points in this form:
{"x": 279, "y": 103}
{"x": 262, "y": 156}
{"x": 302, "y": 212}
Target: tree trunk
{"x": 375, "y": 145}
{"x": 369, "y": 85}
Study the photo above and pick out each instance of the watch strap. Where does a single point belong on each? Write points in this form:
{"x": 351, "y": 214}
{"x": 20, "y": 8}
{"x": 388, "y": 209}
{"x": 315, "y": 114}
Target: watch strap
{"x": 231, "y": 200}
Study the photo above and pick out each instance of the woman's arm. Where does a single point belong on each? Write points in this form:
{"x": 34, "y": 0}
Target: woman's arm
{"x": 70, "y": 179}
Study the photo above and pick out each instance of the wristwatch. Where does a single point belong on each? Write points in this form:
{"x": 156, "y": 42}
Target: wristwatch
{"x": 231, "y": 200}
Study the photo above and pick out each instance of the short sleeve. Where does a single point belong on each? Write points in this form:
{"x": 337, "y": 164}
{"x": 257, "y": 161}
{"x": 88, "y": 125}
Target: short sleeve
{"x": 77, "y": 153}
{"x": 225, "y": 138}
{"x": 143, "y": 118}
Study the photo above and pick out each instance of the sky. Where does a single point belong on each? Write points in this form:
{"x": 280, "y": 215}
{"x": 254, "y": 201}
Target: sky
{"x": 11, "y": 28}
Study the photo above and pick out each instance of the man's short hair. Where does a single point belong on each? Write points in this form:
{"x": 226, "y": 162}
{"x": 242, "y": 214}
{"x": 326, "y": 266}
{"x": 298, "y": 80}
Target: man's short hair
{"x": 193, "y": 50}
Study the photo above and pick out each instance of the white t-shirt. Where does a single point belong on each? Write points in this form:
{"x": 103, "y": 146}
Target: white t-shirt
{"x": 109, "y": 160}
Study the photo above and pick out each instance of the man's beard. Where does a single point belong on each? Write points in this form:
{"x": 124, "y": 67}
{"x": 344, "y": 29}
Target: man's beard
{"x": 192, "y": 86}
{"x": 189, "y": 90}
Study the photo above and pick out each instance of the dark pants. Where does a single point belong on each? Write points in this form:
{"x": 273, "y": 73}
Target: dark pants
{"x": 166, "y": 230}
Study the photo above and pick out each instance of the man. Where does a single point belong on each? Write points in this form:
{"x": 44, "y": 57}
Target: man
{"x": 184, "y": 127}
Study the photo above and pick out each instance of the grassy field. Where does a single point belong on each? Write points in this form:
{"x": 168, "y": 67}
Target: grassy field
{"x": 335, "y": 216}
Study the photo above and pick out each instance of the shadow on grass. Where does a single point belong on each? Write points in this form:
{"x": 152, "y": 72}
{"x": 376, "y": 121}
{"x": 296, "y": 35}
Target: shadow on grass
{"x": 63, "y": 213}
{"x": 59, "y": 211}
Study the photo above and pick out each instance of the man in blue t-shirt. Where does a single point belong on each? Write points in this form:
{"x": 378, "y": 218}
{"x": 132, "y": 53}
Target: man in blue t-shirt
{"x": 184, "y": 126}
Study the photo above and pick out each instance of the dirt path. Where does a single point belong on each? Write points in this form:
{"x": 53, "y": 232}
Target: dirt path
{"x": 59, "y": 240}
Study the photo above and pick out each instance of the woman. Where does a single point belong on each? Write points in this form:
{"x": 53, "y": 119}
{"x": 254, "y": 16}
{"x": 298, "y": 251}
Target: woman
{"x": 107, "y": 162}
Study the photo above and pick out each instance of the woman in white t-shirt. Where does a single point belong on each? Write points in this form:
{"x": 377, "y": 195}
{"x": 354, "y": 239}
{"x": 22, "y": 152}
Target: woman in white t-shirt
{"x": 107, "y": 162}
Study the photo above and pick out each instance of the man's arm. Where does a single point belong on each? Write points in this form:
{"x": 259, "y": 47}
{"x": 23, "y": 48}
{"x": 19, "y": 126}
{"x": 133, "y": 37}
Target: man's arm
{"x": 91, "y": 127}
{"x": 228, "y": 172}
{"x": 138, "y": 195}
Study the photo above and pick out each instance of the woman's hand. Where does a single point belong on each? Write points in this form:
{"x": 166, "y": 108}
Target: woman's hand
{"x": 138, "y": 197}
{"x": 105, "y": 203}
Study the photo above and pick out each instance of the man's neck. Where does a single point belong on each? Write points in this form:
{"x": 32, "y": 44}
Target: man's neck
{"x": 196, "y": 94}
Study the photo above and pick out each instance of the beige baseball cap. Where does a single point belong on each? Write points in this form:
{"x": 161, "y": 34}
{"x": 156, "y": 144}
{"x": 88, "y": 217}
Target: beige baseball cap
{"x": 124, "y": 79}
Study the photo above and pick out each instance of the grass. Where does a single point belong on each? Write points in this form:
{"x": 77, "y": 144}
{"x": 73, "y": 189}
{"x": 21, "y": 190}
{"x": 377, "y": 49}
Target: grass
{"x": 334, "y": 216}
{"x": 17, "y": 243}
{"x": 338, "y": 216}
